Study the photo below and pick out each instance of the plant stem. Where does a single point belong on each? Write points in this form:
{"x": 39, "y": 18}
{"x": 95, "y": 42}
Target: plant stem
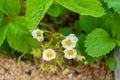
{"x": 19, "y": 59}
{"x": 57, "y": 44}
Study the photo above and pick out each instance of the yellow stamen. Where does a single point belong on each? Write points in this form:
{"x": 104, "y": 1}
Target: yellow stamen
{"x": 39, "y": 34}
{"x": 70, "y": 52}
{"x": 68, "y": 42}
{"x": 49, "y": 54}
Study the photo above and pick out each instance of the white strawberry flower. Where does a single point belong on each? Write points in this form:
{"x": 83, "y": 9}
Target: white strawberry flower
{"x": 70, "y": 41}
{"x": 70, "y": 53}
{"x": 73, "y": 36}
{"x": 38, "y": 34}
{"x": 49, "y": 54}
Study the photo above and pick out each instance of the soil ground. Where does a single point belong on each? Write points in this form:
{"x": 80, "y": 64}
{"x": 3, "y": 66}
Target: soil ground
{"x": 10, "y": 70}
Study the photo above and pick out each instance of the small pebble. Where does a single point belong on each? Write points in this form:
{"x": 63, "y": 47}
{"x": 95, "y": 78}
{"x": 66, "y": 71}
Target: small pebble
{"x": 28, "y": 72}
{"x": 70, "y": 76}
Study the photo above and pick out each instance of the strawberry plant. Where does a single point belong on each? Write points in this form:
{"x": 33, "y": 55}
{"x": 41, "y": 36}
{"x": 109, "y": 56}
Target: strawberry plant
{"x": 93, "y": 35}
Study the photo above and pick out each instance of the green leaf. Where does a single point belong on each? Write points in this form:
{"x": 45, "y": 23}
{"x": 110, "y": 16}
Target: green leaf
{"x": 109, "y": 22}
{"x": 110, "y": 61}
{"x": 66, "y": 31}
{"x": 1, "y": 4}
{"x": 83, "y": 7}
{"x": 54, "y": 10}
{"x": 81, "y": 48}
{"x": 36, "y": 10}
{"x": 3, "y": 31}
{"x": 10, "y": 7}
{"x": 88, "y": 23}
{"x": 19, "y": 37}
{"x": 114, "y": 4}
{"x": 1, "y": 15}
{"x": 99, "y": 43}
{"x": 7, "y": 51}
{"x": 118, "y": 42}
{"x": 115, "y": 26}
{"x": 81, "y": 39}
{"x": 63, "y": 10}
{"x": 77, "y": 26}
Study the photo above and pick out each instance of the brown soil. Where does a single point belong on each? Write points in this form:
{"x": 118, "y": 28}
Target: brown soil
{"x": 10, "y": 70}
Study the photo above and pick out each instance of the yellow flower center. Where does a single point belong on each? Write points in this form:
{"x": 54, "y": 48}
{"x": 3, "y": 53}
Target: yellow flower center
{"x": 70, "y": 52}
{"x": 49, "y": 54}
{"x": 39, "y": 34}
{"x": 68, "y": 42}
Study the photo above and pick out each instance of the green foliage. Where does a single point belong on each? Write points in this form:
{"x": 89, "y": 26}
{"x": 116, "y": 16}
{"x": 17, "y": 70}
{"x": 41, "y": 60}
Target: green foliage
{"x": 88, "y": 23}
{"x": 66, "y": 31}
{"x": 114, "y": 27}
{"x": 1, "y": 15}
{"x": 81, "y": 48}
{"x": 6, "y": 50}
{"x": 99, "y": 43}
{"x": 118, "y": 42}
{"x": 3, "y": 31}
{"x": 84, "y": 7}
{"x": 110, "y": 22}
{"x": 114, "y": 4}
{"x": 98, "y": 32}
{"x": 36, "y": 10}
{"x": 10, "y": 7}
{"x": 77, "y": 25}
{"x": 110, "y": 61}
{"x": 19, "y": 37}
{"x": 54, "y": 10}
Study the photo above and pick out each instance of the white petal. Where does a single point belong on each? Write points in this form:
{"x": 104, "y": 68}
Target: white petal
{"x": 46, "y": 51}
{"x": 73, "y": 36}
{"x": 68, "y": 56}
{"x": 66, "y": 46}
{"x": 34, "y": 34}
